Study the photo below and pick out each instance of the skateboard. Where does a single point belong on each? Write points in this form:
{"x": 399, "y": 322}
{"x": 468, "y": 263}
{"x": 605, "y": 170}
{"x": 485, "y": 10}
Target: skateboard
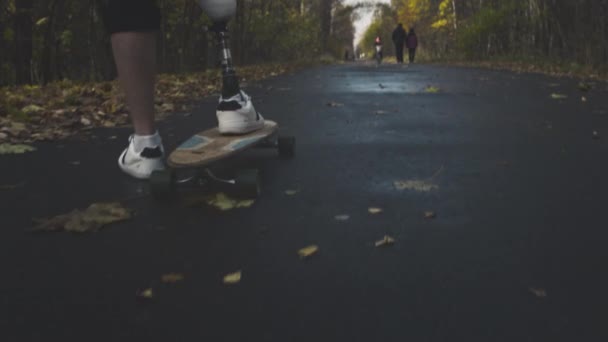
{"x": 201, "y": 151}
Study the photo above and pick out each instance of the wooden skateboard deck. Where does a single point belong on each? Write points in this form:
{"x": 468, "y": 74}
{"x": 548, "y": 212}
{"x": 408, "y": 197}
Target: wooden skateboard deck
{"x": 209, "y": 146}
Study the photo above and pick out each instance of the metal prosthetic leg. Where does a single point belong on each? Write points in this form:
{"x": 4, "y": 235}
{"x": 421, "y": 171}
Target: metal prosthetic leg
{"x": 230, "y": 82}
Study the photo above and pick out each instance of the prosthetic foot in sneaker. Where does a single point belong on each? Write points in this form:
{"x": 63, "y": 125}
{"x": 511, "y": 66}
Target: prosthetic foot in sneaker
{"x": 236, "y": 115}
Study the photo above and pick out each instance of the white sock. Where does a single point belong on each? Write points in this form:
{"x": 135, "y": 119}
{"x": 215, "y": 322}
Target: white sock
{"x": 142, "y": 141}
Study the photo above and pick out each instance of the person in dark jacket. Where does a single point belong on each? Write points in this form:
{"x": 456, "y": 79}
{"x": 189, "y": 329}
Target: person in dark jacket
{"x": 399, "y": 36}
{"x": 412, "y": 43}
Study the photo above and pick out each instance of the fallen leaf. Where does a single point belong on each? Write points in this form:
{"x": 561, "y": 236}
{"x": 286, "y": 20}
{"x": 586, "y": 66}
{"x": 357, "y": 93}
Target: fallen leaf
{"x": 171, "y": 278}
{"x": 224, "y": 203}
{"x": 334, "y": 104}
{"x": 416, "y": 185}
{"x": 308, "y": 251}
{"x": 386, "y": 241}
{"x": 85, "y": 121}
{"x": 583, "y": 99}
{"x": 342, "y": 217}
{"x": 381, "y": 86}
{"x": 558, "y": 96}
{"x": 374, "y": 210}
{"x": 540, "y": 293}
{"x": 29, "y": 109}
{"x": 11, "y": 186}
{"x": 291, "y": 192}
{"x": 233, "y": 278}
{"x": 15, "y": 149}
{"x": 95, "y": 217}
{"x": 145, "y": 293}
{"x": 432, "y": 89}
{"x": 429, "y": 215}
{"x": 582, "y": 86}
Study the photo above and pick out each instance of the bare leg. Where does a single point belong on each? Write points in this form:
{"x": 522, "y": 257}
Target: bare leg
{"x": 135, "y": 57}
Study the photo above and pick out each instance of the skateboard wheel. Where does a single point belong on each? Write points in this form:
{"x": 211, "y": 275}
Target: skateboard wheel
{"x": 247, "y": 183}
{"x": 287, "y": 146}
{"x": 162, "y": 183}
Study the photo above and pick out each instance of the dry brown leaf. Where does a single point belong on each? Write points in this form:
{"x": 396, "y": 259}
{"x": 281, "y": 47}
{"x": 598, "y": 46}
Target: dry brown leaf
{"x": 540, "y": 293}
{"x": 11, "y": 186}
{"x": 429, "y": 215}
{"x": 386, "y": 241}
{"x": 95, "y": 217}
{"x": 308, "y": 251}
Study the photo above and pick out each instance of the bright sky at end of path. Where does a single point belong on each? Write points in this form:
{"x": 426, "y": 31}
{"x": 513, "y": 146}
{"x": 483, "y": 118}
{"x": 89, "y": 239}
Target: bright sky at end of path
{"x": 365, "y": 18}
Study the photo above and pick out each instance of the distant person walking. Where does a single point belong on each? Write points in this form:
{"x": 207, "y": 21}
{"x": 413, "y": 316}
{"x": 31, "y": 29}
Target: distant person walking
{"x": 399, "y": 36}
{"x": 412, "y": 43}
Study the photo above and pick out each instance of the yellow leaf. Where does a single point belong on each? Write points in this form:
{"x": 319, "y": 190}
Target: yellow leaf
{"x": 374, "y": 210}
{"x": 146, "y": 293}
{"x": 15, "y": 149}
{"x": 308, "y": 251}
{"x": 416, "y": 185}
{"x": 223, "y": 202}
{"x": 172, "y": 278}
{"x": 386, "y": 241}
{"x": 432, "y": 90}
{"x": 233, "y": 278}
{"x": 29, "y": 109}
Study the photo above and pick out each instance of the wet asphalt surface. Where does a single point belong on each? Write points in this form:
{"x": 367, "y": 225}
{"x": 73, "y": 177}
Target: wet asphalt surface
{"x": 517, "y": 251}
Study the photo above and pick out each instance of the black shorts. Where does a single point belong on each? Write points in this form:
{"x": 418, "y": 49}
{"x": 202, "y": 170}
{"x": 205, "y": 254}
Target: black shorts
{"x": 130, "y": 15}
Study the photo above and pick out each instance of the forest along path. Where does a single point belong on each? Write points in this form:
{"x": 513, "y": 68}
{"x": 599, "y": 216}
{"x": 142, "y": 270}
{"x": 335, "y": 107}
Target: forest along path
{"x": 514, "y": 249}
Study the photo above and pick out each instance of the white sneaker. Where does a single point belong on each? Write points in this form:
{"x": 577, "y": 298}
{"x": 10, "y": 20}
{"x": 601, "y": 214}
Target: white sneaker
{"x": 237, "y": 115}
{"x": 141, "y": 160}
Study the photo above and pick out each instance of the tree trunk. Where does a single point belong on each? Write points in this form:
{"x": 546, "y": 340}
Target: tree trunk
{"x": 23, "y": 41}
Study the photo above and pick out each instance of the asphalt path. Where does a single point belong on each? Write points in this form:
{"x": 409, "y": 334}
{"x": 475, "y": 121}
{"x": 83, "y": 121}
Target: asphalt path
{"x": 516, "y": 251}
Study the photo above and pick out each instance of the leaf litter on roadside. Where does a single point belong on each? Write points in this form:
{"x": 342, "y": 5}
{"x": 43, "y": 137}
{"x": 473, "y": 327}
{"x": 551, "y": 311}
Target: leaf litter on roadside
{"x": 62, "y": 109}
{"x": 92, "y": 219}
